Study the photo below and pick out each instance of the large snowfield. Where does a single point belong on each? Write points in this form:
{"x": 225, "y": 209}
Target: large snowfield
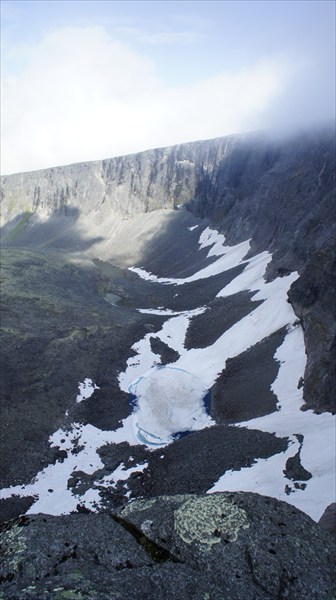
{"x": 170, "y": 398}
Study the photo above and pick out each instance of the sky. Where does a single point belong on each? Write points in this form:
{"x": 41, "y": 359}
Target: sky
{"x": 90, "y": 80}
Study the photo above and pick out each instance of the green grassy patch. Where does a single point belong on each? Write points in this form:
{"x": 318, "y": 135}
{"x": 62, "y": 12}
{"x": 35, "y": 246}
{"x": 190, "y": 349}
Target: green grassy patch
{"x": 19, "y": 226}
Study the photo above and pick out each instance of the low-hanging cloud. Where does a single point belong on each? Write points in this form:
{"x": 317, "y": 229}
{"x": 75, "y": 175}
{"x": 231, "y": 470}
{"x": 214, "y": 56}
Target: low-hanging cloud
{"x": 84, "y": 95}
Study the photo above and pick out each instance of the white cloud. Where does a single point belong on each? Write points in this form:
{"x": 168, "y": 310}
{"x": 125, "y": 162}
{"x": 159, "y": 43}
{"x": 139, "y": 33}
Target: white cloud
{"x": 84, "y": 95}
{"x": 171, "y": 37}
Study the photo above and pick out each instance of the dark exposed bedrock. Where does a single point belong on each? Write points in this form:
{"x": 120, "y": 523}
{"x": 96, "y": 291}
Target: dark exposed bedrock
{"x": 222, "y": 313}
{"x": 243, "y": 389}
{"x": 195, "y": 462}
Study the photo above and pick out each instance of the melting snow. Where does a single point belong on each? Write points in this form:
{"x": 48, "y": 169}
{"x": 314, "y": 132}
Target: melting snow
{"x": 169, "y": 401}
{"x": 168, "y": 311}
{"x": 121, "y": 474}
{"x": 266, "y": 476}
{"x": 50, "y": 486}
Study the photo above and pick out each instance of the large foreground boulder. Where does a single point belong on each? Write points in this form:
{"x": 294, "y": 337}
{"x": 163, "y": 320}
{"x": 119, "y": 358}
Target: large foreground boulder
{"x": 231, "y": 546}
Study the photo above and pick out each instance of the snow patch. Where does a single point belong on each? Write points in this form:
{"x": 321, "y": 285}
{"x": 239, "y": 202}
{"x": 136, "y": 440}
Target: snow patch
{"x": 172, "y": 333}
{"x": 171, "y": 399}
{"x": 86, "y": 389}
{"x": 317, "y": 454}
{"x": 121, "y": 474}
{"x": 50, "y": 486}
{"x": 230, "y": 256}
{"x": 169, "y": 312}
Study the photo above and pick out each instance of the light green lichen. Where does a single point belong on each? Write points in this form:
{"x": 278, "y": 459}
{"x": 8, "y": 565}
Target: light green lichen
{"x": 30, "y": 588}
{"x": 174, "y": 499}
{"x": 16, "y": 547}
{"x": 208, "y": 520}
{"x": 137, "y": 505}
{"x": 70, "y": 595}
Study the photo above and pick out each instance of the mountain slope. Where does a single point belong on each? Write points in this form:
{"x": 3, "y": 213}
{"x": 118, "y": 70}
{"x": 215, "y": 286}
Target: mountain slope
{"x": 187, "y": 372}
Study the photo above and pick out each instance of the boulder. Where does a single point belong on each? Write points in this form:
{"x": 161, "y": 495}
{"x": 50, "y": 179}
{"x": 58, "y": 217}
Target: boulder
{"x": 205, "y": 547}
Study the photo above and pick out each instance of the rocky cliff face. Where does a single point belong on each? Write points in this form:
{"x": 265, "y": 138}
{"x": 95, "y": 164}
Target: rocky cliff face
{"x": 279, "y": 194}
{"x": 283, "y": 197}
{"x": 127, "y": 186}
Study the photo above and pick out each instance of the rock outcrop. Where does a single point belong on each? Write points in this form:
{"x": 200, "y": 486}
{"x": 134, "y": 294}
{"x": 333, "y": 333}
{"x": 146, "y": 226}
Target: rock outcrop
{"x": 230, "y": 545}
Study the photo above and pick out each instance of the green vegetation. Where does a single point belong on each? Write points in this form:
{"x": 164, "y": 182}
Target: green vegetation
{"x": 19, "y": 226}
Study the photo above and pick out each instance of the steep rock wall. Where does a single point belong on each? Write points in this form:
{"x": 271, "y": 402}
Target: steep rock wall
{"x": 282, "y": 196}
{"x": 128, "y": 185}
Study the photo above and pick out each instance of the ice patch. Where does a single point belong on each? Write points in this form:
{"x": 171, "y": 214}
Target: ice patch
{"x": 168, "y": 401}
{"x": 172, "y": 333}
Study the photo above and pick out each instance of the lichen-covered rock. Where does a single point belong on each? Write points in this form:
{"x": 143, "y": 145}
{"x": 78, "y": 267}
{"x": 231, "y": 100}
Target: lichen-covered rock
{"x": 208, "y": 520}
{"x": 253, "y": 546}
{"x": 230, "y": 545}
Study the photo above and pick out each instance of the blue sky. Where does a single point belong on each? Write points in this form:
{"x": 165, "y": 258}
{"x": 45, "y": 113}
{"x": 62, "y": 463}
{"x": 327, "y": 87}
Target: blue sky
{"x": 89, "y": 80}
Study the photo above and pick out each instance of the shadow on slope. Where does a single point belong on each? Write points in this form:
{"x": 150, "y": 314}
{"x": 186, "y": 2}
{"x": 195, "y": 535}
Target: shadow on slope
{"x": 59, "y": 231}
{"x": 282, "y": 196}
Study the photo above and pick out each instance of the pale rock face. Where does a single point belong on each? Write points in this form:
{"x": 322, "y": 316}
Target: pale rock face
{"x": 125, "y": 186}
